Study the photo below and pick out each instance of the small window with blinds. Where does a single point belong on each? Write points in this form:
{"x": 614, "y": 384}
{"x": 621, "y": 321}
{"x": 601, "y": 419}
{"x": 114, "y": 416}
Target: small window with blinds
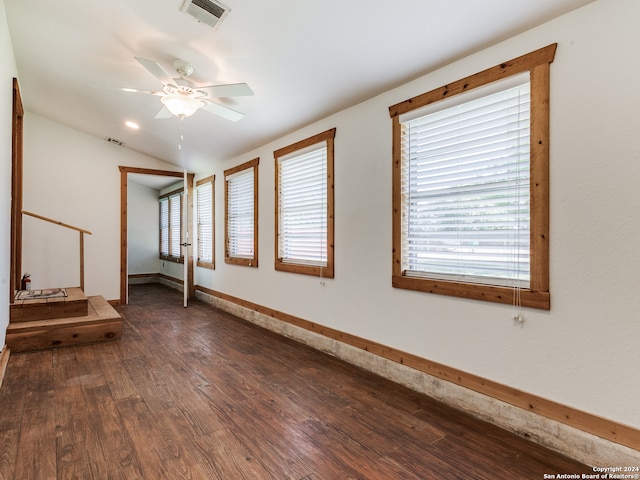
{"x": 171, "y": 226}
{"x": 241, "y": 214}
{"x": 304, "y": 206}
{"x": 470, "y": 194}
{"x": 205, "y": 221}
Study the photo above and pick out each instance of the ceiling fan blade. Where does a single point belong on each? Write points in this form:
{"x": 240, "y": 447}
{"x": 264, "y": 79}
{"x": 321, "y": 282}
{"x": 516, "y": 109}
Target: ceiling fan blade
{"x": 162, "y": 114}
{"x": 222, "y": 111}
{"x": 156, "y": 70}
{"x": 135, "y": 90}
{"x": 229, "y": 90}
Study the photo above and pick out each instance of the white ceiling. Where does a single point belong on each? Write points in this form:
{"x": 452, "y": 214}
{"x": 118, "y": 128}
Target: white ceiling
{"x": 303, "y": 60}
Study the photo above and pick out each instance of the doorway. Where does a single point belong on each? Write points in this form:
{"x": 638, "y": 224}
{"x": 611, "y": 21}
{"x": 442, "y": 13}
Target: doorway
{"x": 124, "y": 234}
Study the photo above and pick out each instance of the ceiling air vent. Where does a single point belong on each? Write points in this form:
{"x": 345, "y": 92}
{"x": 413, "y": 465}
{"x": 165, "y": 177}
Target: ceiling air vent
{"x": 115, "y": 141}
{"x": 205, "y": 11}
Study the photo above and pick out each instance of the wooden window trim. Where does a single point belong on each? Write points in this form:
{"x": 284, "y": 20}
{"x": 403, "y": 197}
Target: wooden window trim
{"x": 328, "y": 270}
{"x": 248, "y": 262}
{"x": 537, "y": 63}
{"x": 210, "y": 265}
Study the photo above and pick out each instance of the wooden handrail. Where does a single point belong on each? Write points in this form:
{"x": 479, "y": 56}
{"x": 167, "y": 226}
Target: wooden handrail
{"x": 46, "y": 219}
{"x": 65, "y": 225}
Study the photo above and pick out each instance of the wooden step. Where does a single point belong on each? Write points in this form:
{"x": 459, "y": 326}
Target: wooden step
{"x": 73, "y": 305}
{"x": 100, "y": 324}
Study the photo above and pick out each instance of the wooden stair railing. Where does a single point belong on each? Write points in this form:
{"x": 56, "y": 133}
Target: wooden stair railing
{"x": 78, "y": 229}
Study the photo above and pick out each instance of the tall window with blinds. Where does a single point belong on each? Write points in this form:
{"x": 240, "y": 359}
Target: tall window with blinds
{"x": 466, "y": 188}
{"x": 164, "y": 227}
{"x": 470, "y": 185}
{"x": 304, "y": 206}
{"x": 241, "y": 214}
{"x": 171, "y": 226}
{"x": 205, "y": 222}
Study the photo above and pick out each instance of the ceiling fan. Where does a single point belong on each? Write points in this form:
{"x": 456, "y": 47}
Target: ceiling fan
{"x": 183, "y": 98}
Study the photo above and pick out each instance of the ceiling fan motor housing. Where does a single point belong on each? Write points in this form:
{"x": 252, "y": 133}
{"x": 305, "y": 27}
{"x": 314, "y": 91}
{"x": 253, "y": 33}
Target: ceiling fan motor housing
{"x": 183, "y": 67}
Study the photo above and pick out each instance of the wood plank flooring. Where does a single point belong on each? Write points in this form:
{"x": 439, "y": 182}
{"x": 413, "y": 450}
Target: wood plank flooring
{"x": 197, "y": 394}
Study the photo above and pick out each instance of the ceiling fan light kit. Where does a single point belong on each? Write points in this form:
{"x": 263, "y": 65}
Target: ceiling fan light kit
{"x": 181, "y": 105}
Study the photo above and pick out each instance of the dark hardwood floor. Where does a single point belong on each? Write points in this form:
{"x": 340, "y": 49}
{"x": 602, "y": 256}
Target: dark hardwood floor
{"x": 197, "y": 394}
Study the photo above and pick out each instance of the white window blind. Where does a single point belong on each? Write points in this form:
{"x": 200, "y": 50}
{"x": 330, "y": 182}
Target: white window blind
{"x": 240, "y": 214}
{"x": 175, "y": 216}
{"x": 164, "y": 226}
{"x": 302, "y": 216}
{"x": 465, "y": 190}
{"x": 204, "y": 206}
{"x": 170, "y": 225}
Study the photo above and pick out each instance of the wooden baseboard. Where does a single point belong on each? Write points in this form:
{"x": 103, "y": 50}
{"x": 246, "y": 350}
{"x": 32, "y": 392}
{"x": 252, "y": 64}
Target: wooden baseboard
{"x": 586, "y": 422}
{"x": 4, "y": 360}
{"x": 171, "y": 279}
{"x": 154, "y": 276}
{"x": 143, "y": 275}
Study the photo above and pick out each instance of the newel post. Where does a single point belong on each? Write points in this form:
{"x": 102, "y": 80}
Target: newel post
{"x": 82, "y": 261}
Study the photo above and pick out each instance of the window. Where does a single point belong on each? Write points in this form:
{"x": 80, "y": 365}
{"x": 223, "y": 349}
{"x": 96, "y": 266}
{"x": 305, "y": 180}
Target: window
{"x": 171, "y": 226}
{"x": 471, "y": 185}
{"x": 204, "y": 218}
{"x": 241, "y": 214}
{"x": 304, "y": 206}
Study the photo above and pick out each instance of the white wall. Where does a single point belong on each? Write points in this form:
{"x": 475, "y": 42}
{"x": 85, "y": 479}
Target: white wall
{"x": 584, "y": 351}
{"x": 74, "y": 178}
{"x": 142, "y": 229}
{"x": 8, "y": 71}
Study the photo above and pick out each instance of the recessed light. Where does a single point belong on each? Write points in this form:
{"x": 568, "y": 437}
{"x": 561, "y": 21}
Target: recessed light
{"x": 131, "y": 124}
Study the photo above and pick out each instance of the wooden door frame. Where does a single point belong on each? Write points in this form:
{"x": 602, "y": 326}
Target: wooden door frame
{"x": 15, "y": 261}
{"x": 124, "y": 171}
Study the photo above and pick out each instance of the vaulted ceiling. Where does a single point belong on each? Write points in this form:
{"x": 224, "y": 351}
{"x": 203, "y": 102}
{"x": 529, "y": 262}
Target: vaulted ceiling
{"x": 303, "y": 59}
